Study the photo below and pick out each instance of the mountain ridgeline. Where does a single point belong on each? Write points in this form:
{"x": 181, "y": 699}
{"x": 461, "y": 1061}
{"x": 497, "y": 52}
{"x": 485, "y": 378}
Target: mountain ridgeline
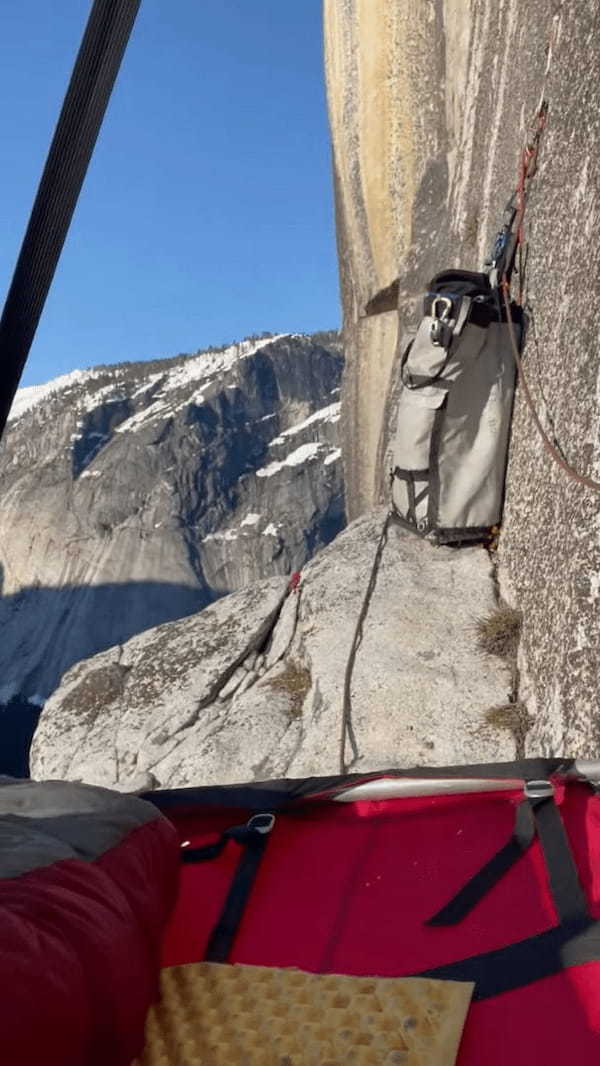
{"x": 139, "y": 493}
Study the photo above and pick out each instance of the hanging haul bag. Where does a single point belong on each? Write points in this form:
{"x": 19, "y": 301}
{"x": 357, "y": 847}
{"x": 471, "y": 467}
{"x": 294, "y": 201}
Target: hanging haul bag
{"x": 449, "y": 449}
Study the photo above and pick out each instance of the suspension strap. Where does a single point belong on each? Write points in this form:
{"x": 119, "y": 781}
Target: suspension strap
{"x": 539, "y": 813}
{"x": 96, "y": 68}
{"x": 252, "y": 838}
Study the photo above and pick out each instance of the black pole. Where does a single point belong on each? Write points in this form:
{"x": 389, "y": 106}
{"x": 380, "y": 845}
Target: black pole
{"x": 97, "y": 65}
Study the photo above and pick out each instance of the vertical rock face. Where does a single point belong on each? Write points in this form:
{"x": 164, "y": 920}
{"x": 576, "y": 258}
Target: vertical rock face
{"x": 385, "y": 78}
{"x": 429, "y": 104}
{"x": 136, "y": 494}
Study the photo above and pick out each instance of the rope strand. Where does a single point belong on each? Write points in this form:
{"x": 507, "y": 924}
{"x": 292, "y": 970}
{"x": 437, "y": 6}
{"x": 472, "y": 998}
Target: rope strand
{"x": 347, "y": 726}
{"x": 581, "y": 479}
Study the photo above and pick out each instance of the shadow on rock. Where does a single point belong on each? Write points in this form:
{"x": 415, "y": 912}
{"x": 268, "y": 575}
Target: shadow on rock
{"x": 45, "y": 631}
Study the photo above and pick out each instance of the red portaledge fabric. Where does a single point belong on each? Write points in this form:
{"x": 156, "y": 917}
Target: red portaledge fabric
{"x": 347, "y": 888}
{"x": 80, "y": 951}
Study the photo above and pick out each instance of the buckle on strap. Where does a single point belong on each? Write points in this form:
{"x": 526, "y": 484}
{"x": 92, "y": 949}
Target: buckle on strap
{"x": 261, "y": 823}
{"x": 538, "y": 789}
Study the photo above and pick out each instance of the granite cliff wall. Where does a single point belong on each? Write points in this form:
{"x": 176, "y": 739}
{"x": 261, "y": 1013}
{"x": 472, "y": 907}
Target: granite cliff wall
{"x": 429, "y": 102}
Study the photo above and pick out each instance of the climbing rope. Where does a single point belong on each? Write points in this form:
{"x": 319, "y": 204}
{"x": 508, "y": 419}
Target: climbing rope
{"x": 527, "y": 169}
{"x": 348, "y": 733}
{"x": 552, "y": 450}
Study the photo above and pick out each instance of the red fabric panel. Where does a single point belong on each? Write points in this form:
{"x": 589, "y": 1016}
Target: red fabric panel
{"x": 79, "y": 953}
{"x": 347, "y": 888}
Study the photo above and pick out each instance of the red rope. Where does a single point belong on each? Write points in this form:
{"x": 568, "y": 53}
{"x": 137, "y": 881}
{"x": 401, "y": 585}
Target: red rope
{"x": 527, "y": 169}
{"x": 554, "y": 453}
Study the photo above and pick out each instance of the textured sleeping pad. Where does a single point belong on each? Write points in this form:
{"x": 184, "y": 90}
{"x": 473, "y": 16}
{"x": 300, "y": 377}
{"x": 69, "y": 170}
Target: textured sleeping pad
{"x": 88, "y": 878}
{"x": 220, "y": 1015}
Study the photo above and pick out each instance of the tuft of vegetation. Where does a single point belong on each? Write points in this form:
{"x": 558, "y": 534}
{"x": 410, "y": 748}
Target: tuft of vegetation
{"x": 328, "y": 338}
{"x": 500, "y": 631}
{"x": 514, "y": 718}
{"x": 294, "y": 681}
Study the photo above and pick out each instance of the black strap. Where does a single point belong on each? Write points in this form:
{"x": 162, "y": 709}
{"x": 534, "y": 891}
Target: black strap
{"x": 253, "y": 838}
{"x": 568, "y": 895}
{"x": 537, "y": 811}
{"x": 526, "y": 961}
{"x": 104, "y": 42}
{"x": 480, "y": 884}
{"x": 407, "y": 475}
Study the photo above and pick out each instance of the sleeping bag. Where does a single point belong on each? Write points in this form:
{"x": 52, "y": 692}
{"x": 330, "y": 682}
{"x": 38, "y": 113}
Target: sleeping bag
{"x": 88, "y": 878}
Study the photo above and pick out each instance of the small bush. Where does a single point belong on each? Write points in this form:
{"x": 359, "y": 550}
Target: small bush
{"x": 295, "y": 681}
{"x": 499, "y": 633}
{"x": 512, "y": 716}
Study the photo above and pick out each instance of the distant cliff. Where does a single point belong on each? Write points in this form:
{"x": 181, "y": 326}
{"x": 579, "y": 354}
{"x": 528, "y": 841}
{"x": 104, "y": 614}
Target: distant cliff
{"x": 136, "y": 494}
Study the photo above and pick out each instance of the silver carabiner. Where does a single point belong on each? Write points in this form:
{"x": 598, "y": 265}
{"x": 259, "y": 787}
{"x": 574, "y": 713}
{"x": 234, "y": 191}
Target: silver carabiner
{"x": 446, "y": 308}
{"x": 439, "y": 329}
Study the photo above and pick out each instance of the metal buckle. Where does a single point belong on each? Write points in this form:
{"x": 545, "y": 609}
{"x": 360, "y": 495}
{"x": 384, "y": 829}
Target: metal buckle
{"x": 541, "y": 789}
{"x": 261, "y": 823}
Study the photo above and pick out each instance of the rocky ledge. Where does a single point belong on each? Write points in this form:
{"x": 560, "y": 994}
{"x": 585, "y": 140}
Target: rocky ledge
{"x": 251, "y": 687}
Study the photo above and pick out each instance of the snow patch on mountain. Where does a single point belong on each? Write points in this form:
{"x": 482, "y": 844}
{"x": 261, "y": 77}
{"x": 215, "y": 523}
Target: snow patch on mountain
{"x": 331, "y": 413}
{"x": 203, "y": 366}
{"x": 30, "y": 395}
{"x": 300, "y": 455}
{"x": 333, "y": 456}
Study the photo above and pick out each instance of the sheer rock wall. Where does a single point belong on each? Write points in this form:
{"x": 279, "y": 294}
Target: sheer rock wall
{"x": 429, "y": 102}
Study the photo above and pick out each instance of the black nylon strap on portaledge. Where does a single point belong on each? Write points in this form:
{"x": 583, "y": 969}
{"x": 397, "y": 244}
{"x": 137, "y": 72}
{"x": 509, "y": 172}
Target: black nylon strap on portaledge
{"x": 567, "y": 893}
{"x": 252, "y": 837}
{"x": 527, "y": 961}
{"x": 104, "y": 42}
{"x": 538, "y": 811}
{"x": 481, "y": 883}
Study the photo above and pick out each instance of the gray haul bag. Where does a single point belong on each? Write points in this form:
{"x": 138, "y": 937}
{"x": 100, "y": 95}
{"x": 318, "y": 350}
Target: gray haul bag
{"x": 450, "y": 445}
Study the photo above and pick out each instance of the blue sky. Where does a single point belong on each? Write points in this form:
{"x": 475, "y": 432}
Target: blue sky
{"x": 207, "y": 211}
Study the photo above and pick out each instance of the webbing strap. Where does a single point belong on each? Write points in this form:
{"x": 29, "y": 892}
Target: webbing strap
{"x": 221, "y": 939}
{"x": 253, "y": 839}
{"x": 105, "y": 39}
{"x": 538, "y": 811}
{"x": 527, "y": 961}
{"x": 480, "y": 884}
{"x": 567, "y": 893}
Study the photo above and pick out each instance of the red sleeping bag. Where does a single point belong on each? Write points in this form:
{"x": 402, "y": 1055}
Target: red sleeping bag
{"x": 88, "y": 878}
{"x": 407, "y": 873}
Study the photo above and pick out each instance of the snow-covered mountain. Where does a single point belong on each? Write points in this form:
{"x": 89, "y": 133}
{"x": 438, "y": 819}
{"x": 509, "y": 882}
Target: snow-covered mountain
{"x": 135, "y": 494}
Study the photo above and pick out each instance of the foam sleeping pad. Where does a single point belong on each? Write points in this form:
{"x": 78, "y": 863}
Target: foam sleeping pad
{"x": 88, "y": 878}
